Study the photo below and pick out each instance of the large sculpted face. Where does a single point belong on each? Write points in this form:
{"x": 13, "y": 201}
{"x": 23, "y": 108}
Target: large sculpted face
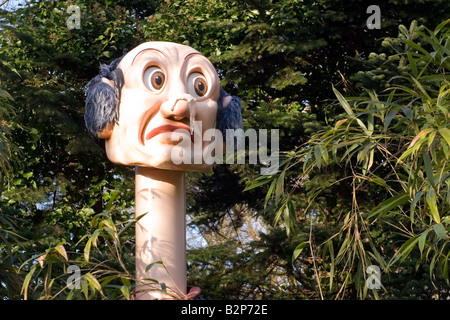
{"x": 167, "y": 87}
{"x": 158, "y": 101}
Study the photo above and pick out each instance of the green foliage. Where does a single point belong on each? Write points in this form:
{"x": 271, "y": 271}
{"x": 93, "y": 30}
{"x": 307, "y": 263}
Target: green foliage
{"x": 99, "y": 269}
{"x": 9, "y": 236}
{"x": 351, "y": 192}
{"x": 63, "y": 178}
{"x": 8, "y": 150}
{"x": 391, "y": 149}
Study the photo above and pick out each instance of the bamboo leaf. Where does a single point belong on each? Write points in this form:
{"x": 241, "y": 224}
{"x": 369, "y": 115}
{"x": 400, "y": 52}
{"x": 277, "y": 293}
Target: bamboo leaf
{"x": 445, "y": 133}
{"x": 298, "y": 250}
{"x": 389, "y": 118}
{"x": 444, "y": 146}
{"x": 389, "y": 204}
{"x": 344, "y": 247}
{"x": 307, "y": 159}
{"x": 289, "y": 217}
{"x": 163, "y": 287}
{"x": 62, "y": 251}
{"x": 152, "y": 264}
{"x": 431, "y": 137}
{"x": 87, "y": 249}
{"x": 269, "y": 193}
{"x": 85, "y": 288}
{"x": 150, "y": 279}
{"x": 432, "y": 263}
{"x": 429, "y": 168}
{"x": 376, "y": 254}
{"x": 413, "y": 204}
{"x": 416, "y": 143}
{"x": 407, "y": 111}
{"x": 325, "y": 155}
{"x": 412, "y": 64}
{"x": 432, "y": 204}
{"x": 448, "y": 192}
{"x": 258, "y": 183}
{"x": 440, "y": 231}
{"x": 349, "y": 151}
{"x": 406, "y": 154}
{"x": 26, "y": 282}
{"x": 332, "y": 265}
{"x": 370, "y": 122}
{"x": 445, "y": 268}
{"x": 131, "y": 223}
{"x": 125, "y": 291}
{"x": 421, "y": 88}
{"x": 344, "y": 103}
{"x": 339, "y": 123}
{"x": 93, "y": 282}
{"x": 126, "y": 282}
{"x": 113, "y": 197}
{"x": 420, "y": 135}
{"x": 279, "y": 188}
{"x": 422, "y": 239}
{"x": 406, "y": 248}
{"x": 379, "y": 181}
{"x": 317, "y": 156}
{"x": 107, "y": 280}
{"x": 279, "y": 213}
{"x": 363, "y": 126}
{"x": 440, "y": 26}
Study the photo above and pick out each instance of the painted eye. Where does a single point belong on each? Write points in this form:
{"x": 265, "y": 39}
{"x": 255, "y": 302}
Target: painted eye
{"x": 154, "y": 78}
{"x": 197, "y": 84}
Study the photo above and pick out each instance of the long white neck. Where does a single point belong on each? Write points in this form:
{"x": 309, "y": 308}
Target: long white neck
{"x": 161, "y": 233}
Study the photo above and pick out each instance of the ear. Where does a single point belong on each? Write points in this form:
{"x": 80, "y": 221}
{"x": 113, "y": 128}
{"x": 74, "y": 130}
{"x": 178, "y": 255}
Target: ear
{"x": 103, "y": 99}
{"x": 106, "y": 132}
{"x": 102, "y": 103}
{"x": 101, "y": 108}
{"x": 229, "y": 113}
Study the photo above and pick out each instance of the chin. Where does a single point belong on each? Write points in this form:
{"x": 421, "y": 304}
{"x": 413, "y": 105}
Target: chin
{"x": 160, "y": 159}
{"x": 163, "y": 159}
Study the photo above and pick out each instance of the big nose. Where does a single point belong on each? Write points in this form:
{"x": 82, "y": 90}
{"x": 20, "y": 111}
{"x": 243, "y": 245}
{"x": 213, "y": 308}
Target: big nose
{"x": 175, "y": 111}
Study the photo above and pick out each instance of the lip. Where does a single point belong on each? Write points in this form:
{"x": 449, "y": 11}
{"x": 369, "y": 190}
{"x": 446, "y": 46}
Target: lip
{"x": 165, "y": 128}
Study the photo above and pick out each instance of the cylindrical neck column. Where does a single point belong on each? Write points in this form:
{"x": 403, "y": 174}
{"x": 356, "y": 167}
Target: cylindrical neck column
{"x": 161, "y": 233}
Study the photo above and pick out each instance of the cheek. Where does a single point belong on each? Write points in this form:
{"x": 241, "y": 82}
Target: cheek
{"x": 132, "y": 105}
{"x": 137, "y": 108}
{"x": 206, "y": 113}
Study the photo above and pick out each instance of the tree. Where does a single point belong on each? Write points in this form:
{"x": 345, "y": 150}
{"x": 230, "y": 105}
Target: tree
{"x": 390, "y": 151}
{"x": 68, "y": 205}
{"x": 65, "y": 180}
{"x": 282, "y": 57}
{"x": 8, "y": 160}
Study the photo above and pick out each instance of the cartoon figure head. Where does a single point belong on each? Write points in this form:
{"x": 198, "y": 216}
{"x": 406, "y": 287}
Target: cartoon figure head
{"x": 158, "y": 94}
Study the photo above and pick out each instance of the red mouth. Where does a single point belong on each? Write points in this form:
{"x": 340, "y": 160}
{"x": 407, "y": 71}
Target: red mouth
{"x": 165, "y": 128}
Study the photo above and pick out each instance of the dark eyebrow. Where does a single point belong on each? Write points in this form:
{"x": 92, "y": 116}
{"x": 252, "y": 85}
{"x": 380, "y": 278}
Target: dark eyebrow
{"x": 147, "y": 50}
{"x": 192, "y": 53}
